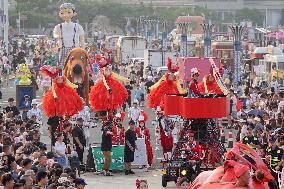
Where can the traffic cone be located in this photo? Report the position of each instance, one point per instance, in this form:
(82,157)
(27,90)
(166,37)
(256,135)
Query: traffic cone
(230,139)
(223,138)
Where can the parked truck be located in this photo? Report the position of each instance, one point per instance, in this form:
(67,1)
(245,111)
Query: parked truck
(111,45)
(130,47)
(156,59)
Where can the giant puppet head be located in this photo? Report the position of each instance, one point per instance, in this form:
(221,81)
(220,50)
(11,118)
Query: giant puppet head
(67,11)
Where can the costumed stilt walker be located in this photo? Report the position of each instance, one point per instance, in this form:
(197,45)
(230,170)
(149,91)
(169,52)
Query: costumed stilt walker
(61,99)
(168,84)
(118,130)
(108,94)
(68,34)
(143,132)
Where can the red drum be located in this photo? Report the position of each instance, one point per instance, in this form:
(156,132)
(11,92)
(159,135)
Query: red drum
(197,107)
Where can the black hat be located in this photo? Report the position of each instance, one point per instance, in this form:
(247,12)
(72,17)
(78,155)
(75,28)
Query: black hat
(131,122)
(80,119)
(79,181)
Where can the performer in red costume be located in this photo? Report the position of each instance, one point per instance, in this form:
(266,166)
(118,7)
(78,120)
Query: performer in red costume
(118,130)
(168,84)
(193,147)
(166,137)
(193,85)
(209,85)
(143,132)
(108,93)
(61,99)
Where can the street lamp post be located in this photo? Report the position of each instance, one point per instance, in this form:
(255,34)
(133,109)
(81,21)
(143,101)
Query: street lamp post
(237,32)
(207,29)
(148,25)
(183,46)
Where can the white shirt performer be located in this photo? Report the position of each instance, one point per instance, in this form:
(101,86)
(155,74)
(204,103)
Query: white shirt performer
(68,34)
(86,116)
(35,113)
(134,112)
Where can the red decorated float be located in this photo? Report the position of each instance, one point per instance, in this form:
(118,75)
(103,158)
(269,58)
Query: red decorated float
(199,142)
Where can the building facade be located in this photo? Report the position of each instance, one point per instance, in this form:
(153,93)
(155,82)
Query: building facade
(270,8)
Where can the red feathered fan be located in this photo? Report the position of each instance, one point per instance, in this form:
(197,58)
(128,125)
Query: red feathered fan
(49,71)
(170,68)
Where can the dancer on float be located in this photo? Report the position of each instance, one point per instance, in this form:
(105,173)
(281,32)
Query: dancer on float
(168,84)
(213,83)
(193,85)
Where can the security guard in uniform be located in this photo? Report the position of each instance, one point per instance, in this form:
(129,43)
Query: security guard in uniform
(273,157)
(251,140)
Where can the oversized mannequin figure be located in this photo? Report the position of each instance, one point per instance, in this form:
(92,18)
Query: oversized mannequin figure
(68,34)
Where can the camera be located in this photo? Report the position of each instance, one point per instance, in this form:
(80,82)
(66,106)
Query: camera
(108,126)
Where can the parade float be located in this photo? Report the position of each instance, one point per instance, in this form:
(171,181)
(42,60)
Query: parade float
(204,150)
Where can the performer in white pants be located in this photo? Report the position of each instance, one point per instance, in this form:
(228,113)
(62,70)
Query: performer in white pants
(85,115)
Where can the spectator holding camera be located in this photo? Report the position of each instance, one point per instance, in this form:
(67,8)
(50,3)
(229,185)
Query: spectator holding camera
(106,146)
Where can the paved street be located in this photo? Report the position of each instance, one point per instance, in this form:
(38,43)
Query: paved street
(119,180)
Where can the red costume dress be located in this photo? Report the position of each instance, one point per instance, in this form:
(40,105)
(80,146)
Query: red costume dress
(108,93)
(61,99)
(168,84)
(193,86)
(191,145)
(207,86)
(166,137)
(118,135)
(145,133)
